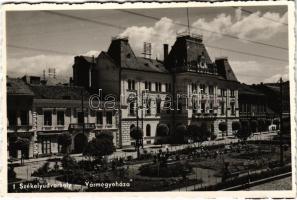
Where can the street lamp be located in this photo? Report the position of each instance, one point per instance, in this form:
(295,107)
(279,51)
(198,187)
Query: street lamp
(281,122)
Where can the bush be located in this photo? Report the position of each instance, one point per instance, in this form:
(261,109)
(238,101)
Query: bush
(65,141)
(169,170)
(236,125)
(223,126)
(69,163)
(261,125)
(180,133)
(100,146)
(213,136)
(86,165)
(11,174)
(254,125)
(162,131)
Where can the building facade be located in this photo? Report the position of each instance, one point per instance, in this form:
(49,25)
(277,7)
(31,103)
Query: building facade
(45,112)
(186,87)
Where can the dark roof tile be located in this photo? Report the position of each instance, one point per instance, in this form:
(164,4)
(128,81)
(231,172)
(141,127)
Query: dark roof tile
(17,86)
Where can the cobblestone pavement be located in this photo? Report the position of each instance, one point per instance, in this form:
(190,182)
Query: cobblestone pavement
(281,184)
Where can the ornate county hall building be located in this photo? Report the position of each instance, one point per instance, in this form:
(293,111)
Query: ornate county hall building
(186,87)
(200,90)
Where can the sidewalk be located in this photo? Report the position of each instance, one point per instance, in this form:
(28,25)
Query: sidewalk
(154,148)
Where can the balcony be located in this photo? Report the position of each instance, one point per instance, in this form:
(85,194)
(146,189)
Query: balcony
(19,128)
(80,126)
(204,115)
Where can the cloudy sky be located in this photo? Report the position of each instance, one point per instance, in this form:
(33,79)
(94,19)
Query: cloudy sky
(255,39)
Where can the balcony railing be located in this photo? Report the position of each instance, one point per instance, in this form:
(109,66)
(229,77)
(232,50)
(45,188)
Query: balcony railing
(19,127)
(204,115)
(80,126)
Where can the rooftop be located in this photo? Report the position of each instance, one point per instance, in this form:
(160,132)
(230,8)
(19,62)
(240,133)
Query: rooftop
(16,86)
(58,92)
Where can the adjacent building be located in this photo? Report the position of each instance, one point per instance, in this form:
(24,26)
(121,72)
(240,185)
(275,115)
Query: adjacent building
(41,113)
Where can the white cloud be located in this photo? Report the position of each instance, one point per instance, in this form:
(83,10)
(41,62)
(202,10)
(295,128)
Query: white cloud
(254,72)
(162,32)
(94,53)
(256,26)
(34,65)
(274,78)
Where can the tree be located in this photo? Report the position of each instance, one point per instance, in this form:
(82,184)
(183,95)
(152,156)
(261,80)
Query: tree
(244,132)
(254,126)
(137,134)
(261,125)
(267,124)
(276,122)
(105,134)
(99,146)
(65,141)
(162,131)
(286,126)
(223,126)
(180,132)
(205,133)
(23,145)
(236,125)
(193,131)
(68,163)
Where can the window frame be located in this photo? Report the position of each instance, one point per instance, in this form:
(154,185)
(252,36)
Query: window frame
(61,111)
(50,116)
(107,117)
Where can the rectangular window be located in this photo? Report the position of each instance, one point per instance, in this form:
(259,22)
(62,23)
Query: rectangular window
(12,119)
(168,87)
(158,87)
(202,88)
(158,107)
(148,107)
(194,88)
(148,86)
(132,109)
(109,117)
(24,118)
(232,109)
(202,107)
(47,118)
(210,90)
(248,108)
(210,107)
(195,106)
(223,92)
(80,117)
(131,84)
(99,118)
(232,93)
(222,104)
(60,118)
(46,146)
(180,108)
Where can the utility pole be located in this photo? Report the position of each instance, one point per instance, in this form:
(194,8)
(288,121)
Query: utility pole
(226,114)
(82,110)
(281,123)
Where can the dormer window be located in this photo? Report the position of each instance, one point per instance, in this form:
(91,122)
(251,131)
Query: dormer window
(128,55)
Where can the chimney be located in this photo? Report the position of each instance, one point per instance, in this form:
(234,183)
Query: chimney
(165,50)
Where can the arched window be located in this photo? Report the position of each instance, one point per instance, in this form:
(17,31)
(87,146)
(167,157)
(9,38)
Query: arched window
(148,130)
